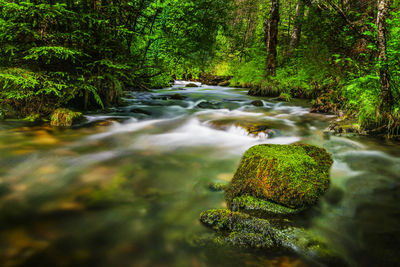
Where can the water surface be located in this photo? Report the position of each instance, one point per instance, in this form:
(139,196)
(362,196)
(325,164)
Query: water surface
(126,187)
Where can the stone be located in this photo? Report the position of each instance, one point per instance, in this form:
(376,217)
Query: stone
(257,103)
(294,176)
(177,97)
(193,85)
(241,230)
(224,83)
(63,117)
(209,105)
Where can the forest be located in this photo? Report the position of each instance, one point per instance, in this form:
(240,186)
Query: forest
(343,55)
(199,133)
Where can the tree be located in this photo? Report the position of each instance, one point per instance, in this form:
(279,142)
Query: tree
(387,96)
(298,23)
(271,37)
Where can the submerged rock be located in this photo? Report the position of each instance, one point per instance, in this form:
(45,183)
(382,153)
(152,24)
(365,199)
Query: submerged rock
(64,117)
(257,103)
(177,97)
(294,176)
(209,105)
(242,230)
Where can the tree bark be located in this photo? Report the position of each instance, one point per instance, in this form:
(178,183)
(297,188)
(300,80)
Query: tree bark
(387,96)
(271,37)
(298,23)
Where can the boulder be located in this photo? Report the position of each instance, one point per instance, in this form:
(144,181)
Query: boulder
(237,229)
(63,117)
(294,176)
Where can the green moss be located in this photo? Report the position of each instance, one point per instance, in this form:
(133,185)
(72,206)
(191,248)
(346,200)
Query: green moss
(236,229)
(32,118)
(285,97)
(64,117)
(294,176)
(216,187)
(260,207)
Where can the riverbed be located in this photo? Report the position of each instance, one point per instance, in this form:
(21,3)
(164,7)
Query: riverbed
(126,187)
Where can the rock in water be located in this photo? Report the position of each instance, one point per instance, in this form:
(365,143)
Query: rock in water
(294,176)
(64,117)
(257,103)
(241,230)
(191,85)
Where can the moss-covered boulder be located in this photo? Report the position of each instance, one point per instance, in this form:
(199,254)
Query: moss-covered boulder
(63,117)
(294,176)
(242,230)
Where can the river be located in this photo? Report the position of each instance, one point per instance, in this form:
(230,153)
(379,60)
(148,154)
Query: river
(126,187)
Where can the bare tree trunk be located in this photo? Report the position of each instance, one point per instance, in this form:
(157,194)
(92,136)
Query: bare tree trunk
(387,97)
(298,23)
(271,37)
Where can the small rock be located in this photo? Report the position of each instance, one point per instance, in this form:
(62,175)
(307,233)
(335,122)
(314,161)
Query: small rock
(63,117)
(177,97)
(193,85)
(209,105)
(224,83)
(257,103)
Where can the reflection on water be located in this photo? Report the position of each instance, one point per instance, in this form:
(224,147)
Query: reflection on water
(126,187)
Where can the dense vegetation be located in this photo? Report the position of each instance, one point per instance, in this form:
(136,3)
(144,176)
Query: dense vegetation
(342,54)
(84,53)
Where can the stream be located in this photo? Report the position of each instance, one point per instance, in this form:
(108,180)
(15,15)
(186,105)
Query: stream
(126,187)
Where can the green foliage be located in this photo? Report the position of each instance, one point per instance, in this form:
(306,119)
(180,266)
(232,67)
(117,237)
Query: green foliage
(84,53)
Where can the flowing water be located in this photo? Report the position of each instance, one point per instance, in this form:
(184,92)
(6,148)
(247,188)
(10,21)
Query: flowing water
(126,187)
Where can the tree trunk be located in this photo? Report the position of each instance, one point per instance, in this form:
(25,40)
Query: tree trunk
(271,37)
(387,97)
(298,23)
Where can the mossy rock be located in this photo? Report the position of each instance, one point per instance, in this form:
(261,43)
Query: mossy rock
(224,83)
(209,105)
(63,117)
(261,207)
(191,85)
(237,229)
(294,176)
